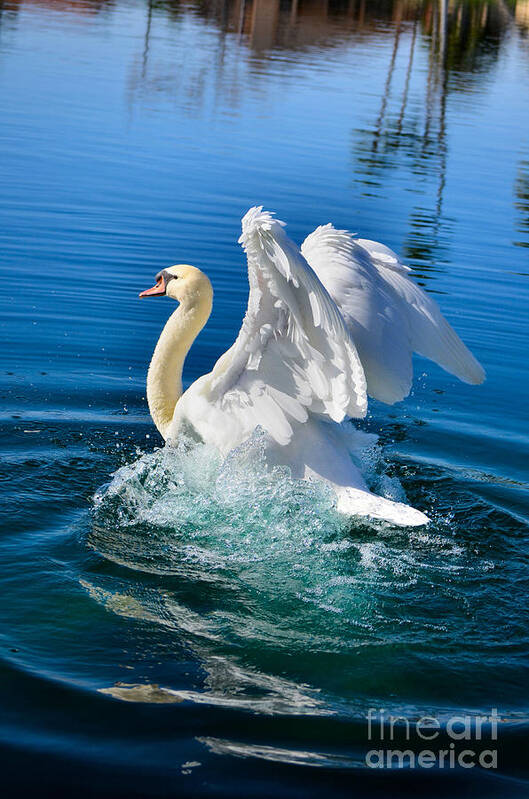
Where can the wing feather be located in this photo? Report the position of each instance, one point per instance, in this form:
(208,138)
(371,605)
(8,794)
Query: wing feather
(388,315)
(294,355)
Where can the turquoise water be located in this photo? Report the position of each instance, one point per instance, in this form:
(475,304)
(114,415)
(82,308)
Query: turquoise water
(172,625)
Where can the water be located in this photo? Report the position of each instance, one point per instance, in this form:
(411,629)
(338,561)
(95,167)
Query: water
(193,627)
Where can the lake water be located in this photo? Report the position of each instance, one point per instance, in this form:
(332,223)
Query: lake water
(197,628)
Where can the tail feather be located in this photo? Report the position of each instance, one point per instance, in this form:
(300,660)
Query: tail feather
(354,502)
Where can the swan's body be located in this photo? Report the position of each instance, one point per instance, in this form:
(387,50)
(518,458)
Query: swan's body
(325,327)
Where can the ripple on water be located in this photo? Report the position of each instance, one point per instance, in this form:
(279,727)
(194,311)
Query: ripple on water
(247,560)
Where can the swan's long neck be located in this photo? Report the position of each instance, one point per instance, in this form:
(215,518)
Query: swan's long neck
(164,380)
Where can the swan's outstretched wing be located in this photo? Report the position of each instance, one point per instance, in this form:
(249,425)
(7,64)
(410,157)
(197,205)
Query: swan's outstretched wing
(389,317)
(294,355)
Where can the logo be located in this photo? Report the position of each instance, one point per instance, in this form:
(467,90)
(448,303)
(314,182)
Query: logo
(462,741)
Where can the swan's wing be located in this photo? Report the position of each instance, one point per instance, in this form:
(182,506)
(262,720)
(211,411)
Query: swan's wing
(388,315)
(293,355)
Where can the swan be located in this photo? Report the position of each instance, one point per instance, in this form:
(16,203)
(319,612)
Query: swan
(327,325)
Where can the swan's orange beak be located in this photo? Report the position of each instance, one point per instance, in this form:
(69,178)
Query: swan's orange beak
(157,291)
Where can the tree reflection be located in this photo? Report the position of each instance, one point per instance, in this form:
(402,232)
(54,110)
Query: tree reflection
(522,202)
(246,38)
(463,40)
(80,8)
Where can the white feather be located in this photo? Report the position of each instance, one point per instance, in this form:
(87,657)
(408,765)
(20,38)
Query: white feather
(388,315)
(293,341)
(323,327)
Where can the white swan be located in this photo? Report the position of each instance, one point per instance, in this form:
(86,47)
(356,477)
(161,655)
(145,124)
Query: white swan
(325,327)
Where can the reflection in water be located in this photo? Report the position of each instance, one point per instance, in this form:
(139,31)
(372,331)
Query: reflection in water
(464,37)
(80,8)
(463,42)
(522,13)
(245,568)
(409,132)
(522,202)
(297,24)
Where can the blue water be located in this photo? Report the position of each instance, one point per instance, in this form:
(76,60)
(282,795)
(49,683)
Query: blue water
(188,627)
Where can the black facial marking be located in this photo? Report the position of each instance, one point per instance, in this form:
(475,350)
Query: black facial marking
(166,275)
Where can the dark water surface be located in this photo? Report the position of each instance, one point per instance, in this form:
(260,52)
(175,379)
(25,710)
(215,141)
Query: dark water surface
(202,628)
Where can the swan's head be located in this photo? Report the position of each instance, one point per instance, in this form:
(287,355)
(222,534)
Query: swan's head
(182,282)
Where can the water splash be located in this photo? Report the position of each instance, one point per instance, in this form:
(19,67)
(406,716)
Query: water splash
(183,511)
(238,558)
